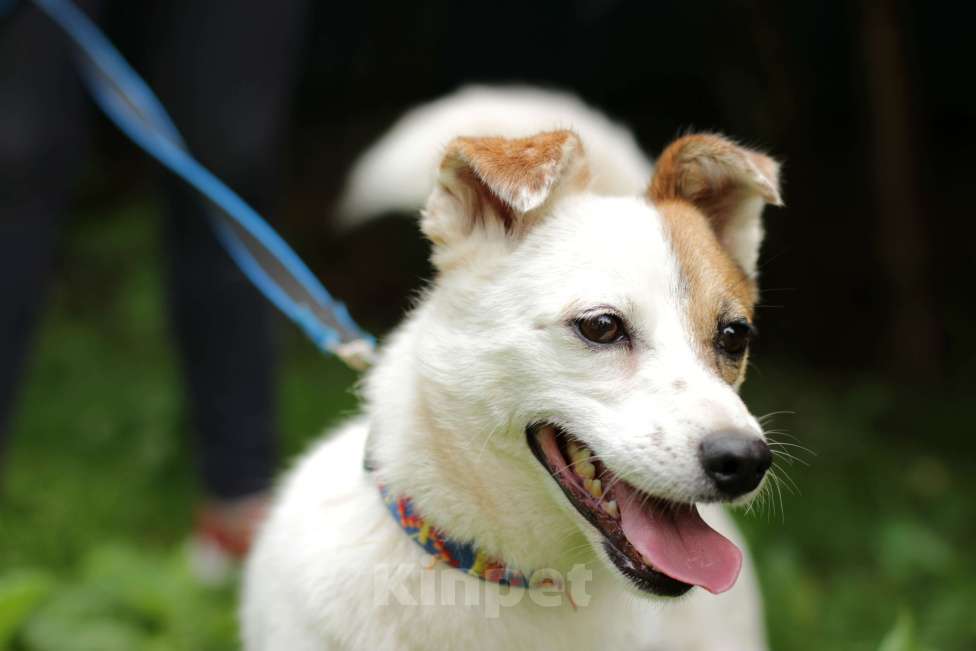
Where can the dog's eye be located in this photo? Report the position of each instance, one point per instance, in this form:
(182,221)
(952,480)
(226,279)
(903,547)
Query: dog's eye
(733,338)
(602,328)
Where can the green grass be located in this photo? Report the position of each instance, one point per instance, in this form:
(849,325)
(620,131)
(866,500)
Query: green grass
(877,545)
(873,554)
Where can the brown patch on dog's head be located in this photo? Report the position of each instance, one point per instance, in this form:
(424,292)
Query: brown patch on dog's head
(710,193)
(715,289)
(501,182)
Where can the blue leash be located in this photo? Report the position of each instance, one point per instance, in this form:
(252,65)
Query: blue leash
(265,258)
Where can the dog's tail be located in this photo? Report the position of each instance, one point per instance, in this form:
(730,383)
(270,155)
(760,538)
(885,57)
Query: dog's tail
(398,171)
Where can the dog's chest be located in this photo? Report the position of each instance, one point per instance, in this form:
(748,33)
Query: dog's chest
(441,603)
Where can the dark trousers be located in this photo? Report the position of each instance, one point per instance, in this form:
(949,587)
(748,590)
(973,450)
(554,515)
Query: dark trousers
(225,71)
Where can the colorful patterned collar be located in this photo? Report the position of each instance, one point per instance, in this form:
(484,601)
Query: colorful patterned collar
(463,556)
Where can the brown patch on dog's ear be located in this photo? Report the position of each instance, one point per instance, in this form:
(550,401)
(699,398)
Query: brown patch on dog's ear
(501,183)
(727,183)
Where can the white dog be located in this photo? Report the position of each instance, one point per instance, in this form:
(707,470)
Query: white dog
(545,421)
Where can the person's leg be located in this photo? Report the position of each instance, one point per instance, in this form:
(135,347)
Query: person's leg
(41,137)
(226,72)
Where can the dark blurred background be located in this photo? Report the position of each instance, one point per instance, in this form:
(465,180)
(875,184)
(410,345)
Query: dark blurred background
(867,313)
(867,103)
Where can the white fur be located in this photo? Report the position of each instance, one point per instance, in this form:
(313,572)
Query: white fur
(486,353)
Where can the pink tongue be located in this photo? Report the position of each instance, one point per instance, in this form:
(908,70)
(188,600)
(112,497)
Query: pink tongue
(678,542)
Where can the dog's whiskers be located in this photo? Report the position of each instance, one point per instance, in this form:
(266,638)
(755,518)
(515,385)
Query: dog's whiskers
(788,452)
(784,444)
(780,432)
(788,482)
(766,417)
(786,456)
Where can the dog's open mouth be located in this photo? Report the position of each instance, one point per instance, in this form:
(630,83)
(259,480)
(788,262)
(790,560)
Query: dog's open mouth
(662,547)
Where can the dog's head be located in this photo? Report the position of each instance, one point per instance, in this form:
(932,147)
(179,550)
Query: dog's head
(604,339)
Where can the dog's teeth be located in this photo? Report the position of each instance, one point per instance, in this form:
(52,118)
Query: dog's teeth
(595,488)
(577,452)
(611,509)
(588,484)
(573,449)
(585,469)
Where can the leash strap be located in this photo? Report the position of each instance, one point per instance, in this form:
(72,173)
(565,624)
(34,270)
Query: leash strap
(262,255)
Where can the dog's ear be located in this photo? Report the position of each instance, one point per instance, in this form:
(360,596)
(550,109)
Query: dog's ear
(501,185)
(728,183)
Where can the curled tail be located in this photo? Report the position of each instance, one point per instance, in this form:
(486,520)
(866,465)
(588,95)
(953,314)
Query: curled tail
(398,171)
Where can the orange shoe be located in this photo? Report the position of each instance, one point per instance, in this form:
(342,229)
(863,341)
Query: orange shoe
(222,536)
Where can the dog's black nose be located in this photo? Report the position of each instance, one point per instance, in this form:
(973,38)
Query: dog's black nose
(736,461)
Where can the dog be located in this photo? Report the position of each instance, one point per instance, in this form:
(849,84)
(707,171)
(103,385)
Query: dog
(548,436)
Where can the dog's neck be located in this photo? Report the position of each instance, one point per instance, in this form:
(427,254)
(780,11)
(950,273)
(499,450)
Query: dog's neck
(466,471)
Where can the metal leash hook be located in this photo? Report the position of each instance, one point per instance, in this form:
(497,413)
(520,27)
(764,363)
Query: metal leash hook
(262,255)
